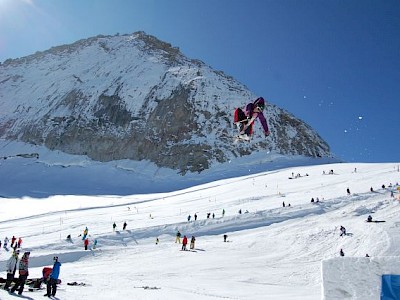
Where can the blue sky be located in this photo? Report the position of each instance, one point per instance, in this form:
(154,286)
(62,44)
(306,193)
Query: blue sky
(333,64)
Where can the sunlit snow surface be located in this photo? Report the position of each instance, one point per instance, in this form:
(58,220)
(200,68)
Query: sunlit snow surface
(273,252)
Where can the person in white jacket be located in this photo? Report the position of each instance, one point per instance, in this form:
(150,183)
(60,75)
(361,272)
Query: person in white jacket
(11,269)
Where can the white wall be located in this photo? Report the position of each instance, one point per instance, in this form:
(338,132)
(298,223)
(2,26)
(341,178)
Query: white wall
(356,277)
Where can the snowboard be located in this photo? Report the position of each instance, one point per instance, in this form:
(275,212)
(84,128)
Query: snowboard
(241,138)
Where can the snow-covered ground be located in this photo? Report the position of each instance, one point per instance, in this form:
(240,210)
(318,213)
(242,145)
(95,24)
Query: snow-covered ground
(272,252)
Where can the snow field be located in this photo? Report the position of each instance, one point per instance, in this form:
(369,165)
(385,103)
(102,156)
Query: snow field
(273,252)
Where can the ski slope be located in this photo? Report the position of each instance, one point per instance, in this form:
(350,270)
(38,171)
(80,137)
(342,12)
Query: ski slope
(273,252)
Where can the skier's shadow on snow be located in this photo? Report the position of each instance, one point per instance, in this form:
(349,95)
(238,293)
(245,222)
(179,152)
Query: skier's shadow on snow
(23,297)
(197,249)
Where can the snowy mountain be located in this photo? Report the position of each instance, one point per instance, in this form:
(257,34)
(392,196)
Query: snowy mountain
(272,252)
(138,98)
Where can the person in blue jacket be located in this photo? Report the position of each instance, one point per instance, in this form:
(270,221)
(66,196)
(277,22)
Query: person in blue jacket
(53,278)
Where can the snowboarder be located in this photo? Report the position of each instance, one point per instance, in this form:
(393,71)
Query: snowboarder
(53,278)
(11,269)
(114,226)
(342,231)
(124,226)
(244,119)
(178,237)
(184,243)
(341,252)
(23,273)
(192,242)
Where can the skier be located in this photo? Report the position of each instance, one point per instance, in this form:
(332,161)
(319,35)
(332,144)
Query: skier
(223,212)
(342,231)
(69,239)
(184,243)
(124,226)
(195,216)
(23,273)
(19,243)
(244,119)
(53,278)
(348,192)
(225,237)
(5,242)
(341,252)
(85,233)
(192,242)
(114,226)
(13,239)
(178,237)
(11,269)
(86,243)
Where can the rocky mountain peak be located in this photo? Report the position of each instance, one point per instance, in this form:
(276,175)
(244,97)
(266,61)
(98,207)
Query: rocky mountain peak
(136,97)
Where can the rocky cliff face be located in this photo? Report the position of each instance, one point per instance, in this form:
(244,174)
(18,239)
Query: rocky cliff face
(136,97)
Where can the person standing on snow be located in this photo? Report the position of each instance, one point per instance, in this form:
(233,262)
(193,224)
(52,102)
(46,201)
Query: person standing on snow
(13,239)
(124,226)
(11,269)
(86,243)
(53,278)
(245,118)
(178,237)
(23,273)
(341,252)
(114,226)
(192,241)
(184,243)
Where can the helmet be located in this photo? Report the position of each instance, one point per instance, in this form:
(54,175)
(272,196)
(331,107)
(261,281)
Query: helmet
(260,103)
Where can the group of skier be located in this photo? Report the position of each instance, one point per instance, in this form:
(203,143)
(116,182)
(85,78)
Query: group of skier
(184,241)
(15,243)
(51,278)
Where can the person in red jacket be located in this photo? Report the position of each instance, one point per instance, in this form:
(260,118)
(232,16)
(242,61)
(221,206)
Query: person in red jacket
(184,243)
(86,243)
